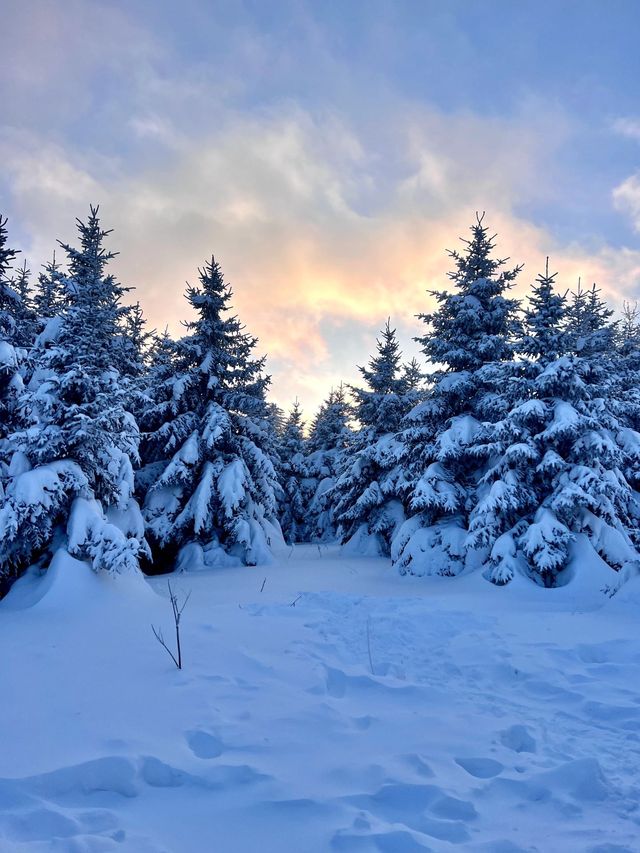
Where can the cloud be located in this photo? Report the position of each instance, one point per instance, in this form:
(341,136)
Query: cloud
(326,217)
(629,127)
(289,203)
(627,199)
(626,196)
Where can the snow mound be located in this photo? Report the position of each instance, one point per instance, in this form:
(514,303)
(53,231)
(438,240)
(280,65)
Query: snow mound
(70,584)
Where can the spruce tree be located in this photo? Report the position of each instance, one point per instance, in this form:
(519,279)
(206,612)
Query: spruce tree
(329,438)
(49,296)
(587,450)
(366,494)
(24,316)
(10,356)
(216,489)
(559,457)
(294,476)
(8,297)
(507,495)
(73,458)
(473,326)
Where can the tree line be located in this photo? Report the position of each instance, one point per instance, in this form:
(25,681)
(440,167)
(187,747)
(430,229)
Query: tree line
(516,439)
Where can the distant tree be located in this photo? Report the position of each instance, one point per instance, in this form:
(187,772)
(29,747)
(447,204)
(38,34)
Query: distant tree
(24,316)
(294,475)
(366,496)
(8,296)
(50,296)
(329,438)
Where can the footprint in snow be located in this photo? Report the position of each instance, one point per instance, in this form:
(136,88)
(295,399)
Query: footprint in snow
(518,739)
(204,744)
(481,768)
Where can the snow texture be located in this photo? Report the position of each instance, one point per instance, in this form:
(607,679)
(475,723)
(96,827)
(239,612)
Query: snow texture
(384,715)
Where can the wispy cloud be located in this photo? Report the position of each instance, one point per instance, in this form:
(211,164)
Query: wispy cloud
(628,126)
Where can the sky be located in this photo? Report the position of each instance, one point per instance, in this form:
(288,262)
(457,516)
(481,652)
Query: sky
(327,153)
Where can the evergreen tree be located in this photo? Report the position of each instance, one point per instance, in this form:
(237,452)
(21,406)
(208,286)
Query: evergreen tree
(330,431)
(49,296)
(294,476)
(10,376)
(163,427)
(329,438)
(626,373)
(507,495)
(24,317)
(589,322)
(413,377)
(135,343)
(558,457)
(366,494)
(546,336)
(8,297)
(474,326)
(217,489)
(72,463)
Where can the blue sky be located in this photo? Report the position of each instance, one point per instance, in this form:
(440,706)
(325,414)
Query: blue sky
(327,152)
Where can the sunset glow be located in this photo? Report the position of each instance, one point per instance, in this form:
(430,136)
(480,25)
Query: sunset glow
(327,181)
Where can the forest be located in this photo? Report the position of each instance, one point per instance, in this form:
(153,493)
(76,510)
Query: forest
(514,437)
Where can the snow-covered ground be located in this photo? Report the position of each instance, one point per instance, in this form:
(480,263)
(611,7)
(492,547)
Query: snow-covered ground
(334,706)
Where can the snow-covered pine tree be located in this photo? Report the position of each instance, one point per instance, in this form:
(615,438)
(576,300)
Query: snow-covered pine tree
(14,336)
(135,343)
(590,492)
(473,326)
(26,321)
(132,354)
(24,326)
(508,493)
(164,426)
(71,472)
(413,377)
(294,475)
(8,296)
(559,456)
(627,371)
(49,295)
(163,429)
(329,437)
(366,496)
(214,499)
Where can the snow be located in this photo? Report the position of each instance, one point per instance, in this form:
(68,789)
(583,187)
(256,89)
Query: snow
(326,704)
(8,359)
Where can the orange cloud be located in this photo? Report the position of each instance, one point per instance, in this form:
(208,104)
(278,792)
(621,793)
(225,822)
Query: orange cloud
(310,227)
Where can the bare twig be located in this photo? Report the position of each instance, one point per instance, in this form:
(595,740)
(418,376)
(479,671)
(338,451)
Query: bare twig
(369,644)
(293,603)
(157,633)
(177,609)
(290,552)
(263,583)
